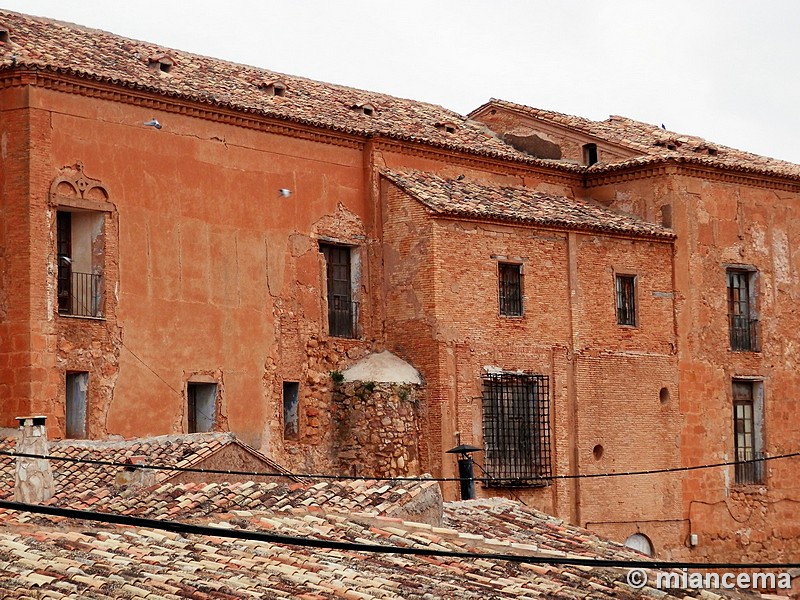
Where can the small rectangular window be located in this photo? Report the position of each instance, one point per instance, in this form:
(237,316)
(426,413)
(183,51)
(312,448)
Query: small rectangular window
(747,421)
(516,429)
(741,315)
(291,401)
(202,405)
(510,289)
(75,405)
(589,154)
(626,299)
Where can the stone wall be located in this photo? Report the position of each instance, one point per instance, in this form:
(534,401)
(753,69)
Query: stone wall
(376,428)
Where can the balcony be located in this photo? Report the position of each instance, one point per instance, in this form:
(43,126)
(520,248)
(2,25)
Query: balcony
(80,294)
(751,471)
(743,333)
(342,316)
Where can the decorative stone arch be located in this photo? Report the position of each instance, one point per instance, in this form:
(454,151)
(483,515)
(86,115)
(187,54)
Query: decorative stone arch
(72,183)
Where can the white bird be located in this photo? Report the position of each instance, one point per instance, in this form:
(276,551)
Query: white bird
(153,123)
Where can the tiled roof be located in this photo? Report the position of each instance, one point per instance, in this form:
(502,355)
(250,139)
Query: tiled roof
(648,143)
(196,500)
(75,478)
(60,47)
(53,557)
(478,200)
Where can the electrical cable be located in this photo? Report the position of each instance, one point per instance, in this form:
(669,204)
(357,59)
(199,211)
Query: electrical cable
(274,538)
(360,478)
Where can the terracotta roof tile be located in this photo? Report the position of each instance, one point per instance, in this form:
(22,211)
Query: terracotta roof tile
(479,200)
(96,481)
(92,54)
(650,143)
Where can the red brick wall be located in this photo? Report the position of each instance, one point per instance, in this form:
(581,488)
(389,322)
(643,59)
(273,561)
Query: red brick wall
(718,224)
(605,379)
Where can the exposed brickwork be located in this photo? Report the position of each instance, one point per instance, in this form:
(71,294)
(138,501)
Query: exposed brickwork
(213,274)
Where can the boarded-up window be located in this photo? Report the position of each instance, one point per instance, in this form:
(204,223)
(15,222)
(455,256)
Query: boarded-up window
(342,310)
(77,385)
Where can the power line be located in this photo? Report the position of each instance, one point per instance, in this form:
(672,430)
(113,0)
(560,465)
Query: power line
(366,478)
(274,538)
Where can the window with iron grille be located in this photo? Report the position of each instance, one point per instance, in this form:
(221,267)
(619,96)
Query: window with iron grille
(626,299)
(79,249)
(510,284)
(747,416)
(741,318)
(342,310)
(516,429)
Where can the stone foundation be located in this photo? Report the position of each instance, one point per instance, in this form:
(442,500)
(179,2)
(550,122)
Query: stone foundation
(376,428)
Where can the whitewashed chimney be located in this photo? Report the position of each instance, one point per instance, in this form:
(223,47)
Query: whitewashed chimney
(33,483)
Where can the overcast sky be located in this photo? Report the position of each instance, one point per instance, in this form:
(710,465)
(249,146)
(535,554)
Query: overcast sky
(725,70)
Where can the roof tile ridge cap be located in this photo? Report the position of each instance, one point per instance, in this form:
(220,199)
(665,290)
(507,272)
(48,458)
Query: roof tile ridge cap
(268,459)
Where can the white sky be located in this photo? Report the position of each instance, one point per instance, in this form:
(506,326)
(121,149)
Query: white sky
(725,70)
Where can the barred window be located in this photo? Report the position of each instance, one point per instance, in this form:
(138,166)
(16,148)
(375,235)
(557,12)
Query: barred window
(510,282)
(741,319)
(747,409)
(626,300)
(516,429)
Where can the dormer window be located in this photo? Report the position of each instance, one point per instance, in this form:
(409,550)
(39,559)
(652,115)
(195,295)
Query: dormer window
(4,37)
(447,127)
(161,63)
(367,109)
(590,155)
(273,88)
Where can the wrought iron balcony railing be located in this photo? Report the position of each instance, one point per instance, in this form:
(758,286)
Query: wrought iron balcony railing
(743,331)
(80,295)
(342,316)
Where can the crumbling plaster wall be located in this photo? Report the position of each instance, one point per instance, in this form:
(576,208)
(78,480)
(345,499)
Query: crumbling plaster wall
(720,224)
(605,380)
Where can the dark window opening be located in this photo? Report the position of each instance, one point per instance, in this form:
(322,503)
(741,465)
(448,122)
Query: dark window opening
(742,323)
(342,310)
(510,288)
(516,429)
(75,405)
(590,156)
(202,404)
(747,439)
(291,402)
(79,250)
(273,89)
(4,37)
(161,64)
(626,299)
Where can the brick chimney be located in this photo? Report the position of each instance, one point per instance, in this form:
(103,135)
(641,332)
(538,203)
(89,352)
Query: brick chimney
(33,483)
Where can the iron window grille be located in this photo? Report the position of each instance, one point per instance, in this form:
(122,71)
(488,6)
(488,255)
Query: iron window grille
(516,429)
(626,299)
(510,289)
(741,320)
(79,294)
(342,309)
(749,458)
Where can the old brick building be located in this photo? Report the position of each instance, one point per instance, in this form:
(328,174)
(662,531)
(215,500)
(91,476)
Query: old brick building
(190,245)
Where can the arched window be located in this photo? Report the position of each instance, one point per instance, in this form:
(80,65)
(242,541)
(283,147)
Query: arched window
(640,542)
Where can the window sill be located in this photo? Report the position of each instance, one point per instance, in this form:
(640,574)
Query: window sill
(512,317)
(81,317)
